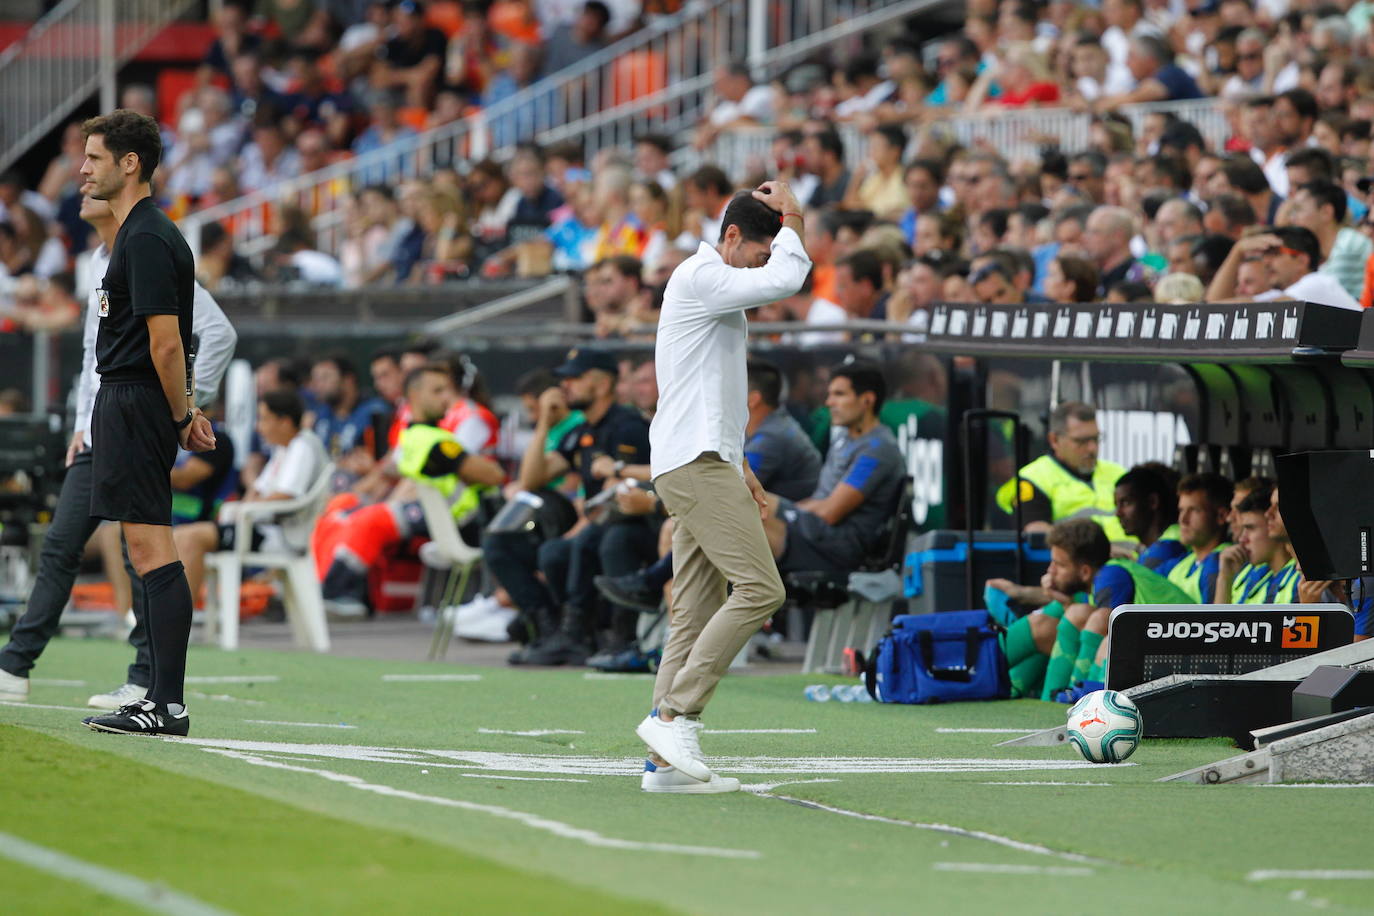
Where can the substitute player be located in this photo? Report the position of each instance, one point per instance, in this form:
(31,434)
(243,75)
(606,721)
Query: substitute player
(701,476)
(144,407)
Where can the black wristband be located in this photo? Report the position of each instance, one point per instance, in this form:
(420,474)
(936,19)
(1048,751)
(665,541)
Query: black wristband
(186,420)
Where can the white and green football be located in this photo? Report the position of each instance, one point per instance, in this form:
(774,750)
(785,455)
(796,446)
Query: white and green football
(1105,726)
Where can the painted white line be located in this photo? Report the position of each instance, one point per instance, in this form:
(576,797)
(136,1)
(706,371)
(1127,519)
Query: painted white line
(1315,785)
(759,731)
(608,676)
(985,731)
(421,678)
(223,698)
(298,724)
(1057,871)
(156,897)
(236,679)
(1040,783)
(941,828)
(1317,874)
(761,788)
(535,821)
(532,733)
(54,682)
(41,706)
(522,778)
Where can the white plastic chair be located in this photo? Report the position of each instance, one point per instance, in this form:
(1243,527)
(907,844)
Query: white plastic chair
(446,550)
(302,597)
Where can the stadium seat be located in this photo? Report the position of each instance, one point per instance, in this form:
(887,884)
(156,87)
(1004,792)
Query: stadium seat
(304,603)
(446,550)
(853,609)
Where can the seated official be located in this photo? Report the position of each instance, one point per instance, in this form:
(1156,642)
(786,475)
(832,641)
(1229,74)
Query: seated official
(1147,509)
(1204,502)
(1069,482)
(1064,642)
(350,539)
(296,462)
(1248,567)
(861,481)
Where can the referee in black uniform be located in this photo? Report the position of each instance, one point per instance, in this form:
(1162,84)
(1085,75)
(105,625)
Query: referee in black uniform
(145,405)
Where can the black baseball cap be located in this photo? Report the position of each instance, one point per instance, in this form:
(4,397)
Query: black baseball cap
(584,360)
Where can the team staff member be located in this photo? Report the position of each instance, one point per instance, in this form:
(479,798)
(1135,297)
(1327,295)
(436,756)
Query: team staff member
(1071,481)
(144,408)
(701,475)
(72,524)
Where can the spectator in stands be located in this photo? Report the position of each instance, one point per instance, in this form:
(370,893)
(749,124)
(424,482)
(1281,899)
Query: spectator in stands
(1071,279)
(1176,218)
(1063,641)
(1179,289)
(881,189)
(1293,255)
(313,100)
(651,160)
(994,282)
(619,232)
(614,288)
(560,608)
(521,72)
(346,422)
(298,458)
(409,63)
(386,130)
(232,38)
(1071,480)
(1294,115)
(859,286)
(923,179)
(219,265)
(1248,80)
(824,154)
(570,43)
(1107,242)
(208,138)
(298,261)
(1157,77)
(267,159)
(861,481)
(1321,207)
(251,96)
(707,192)
(1204,502)
(1229,215)
(1087,175)
(738,103)
(1147,508)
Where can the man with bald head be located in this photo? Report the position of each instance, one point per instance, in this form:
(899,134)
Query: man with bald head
(1107,241)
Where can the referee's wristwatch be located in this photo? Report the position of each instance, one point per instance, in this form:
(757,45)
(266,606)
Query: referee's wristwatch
(186,420)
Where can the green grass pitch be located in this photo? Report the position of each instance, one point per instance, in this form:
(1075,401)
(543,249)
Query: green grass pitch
(321,784)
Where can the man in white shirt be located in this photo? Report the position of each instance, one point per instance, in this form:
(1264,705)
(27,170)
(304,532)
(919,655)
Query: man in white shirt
(72,524)
(1293,255)
(701,477)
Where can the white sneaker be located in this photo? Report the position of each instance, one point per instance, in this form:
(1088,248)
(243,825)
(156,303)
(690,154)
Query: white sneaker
(489,622)
(670,779)
(676,742)
(120,696)
(13,688)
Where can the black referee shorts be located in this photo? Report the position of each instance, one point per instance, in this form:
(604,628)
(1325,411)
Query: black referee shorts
(133,448)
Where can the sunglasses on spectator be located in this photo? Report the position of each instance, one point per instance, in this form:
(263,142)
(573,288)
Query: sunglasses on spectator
(1080,176)
(1255,55)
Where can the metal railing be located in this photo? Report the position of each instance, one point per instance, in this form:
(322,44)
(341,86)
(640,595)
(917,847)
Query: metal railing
(658,78)
(68,54)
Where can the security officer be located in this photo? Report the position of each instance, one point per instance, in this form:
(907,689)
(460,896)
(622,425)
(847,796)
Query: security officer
(1071,481)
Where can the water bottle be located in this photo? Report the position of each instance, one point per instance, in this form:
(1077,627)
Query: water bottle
(862,695)
(817,693)
(844,693)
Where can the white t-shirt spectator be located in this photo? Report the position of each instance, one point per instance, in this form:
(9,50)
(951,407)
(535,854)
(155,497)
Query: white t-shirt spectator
(866,102)
(757,104)
(317,268)
(292,469)
(1323,289)
(823,312)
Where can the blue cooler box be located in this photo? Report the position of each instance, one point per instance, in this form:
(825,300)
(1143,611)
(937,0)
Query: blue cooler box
(933,573)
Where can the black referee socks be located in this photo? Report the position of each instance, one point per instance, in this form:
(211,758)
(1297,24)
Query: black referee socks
(167,610)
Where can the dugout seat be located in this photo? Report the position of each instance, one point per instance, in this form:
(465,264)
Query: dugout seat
(446,551)
(853,608)
(301,594)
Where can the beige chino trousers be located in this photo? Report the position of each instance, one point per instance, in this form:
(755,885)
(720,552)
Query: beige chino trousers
(717,538)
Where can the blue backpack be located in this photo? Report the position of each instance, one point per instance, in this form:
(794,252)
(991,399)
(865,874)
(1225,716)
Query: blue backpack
(939,658)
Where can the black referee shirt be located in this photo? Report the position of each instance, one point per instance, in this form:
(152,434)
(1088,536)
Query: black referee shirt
(151,272)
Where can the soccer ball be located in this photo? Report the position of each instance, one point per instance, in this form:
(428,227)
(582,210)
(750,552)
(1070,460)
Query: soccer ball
(1105,726)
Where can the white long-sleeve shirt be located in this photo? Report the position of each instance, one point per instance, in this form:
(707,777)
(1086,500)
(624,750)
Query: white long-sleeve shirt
(699,355)
(216,336)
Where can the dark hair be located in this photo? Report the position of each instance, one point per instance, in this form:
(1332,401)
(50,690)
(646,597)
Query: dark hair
(757,221)
(211,234)
(1174,169)
(1083,274)
(865,377)
(1324,193)
(125,132)
(863,265)
(414,375)
(766,379)
(1217,488)
(1032,212)
(391,353)
(861,65)
(1213,249)
(1181,135)
(1304,102)
(599,9)
(422,345)
(531,149)
(535,382)
(894,135)
(1320,165)
(1236,210)
(627,265)
(995,220)
(829,141)
(661,142)
(1244,174)
(1133,291)
(931,167)
(341,362)
(711,178)
(1143,482)
(283,402)
(1302,240)
(1095,160)
(1256,501)
(1083,540)
(1355,130)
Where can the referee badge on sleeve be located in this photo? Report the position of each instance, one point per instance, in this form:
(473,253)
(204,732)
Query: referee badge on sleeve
(103,297)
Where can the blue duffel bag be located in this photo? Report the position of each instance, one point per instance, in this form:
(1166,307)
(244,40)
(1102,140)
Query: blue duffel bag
(939,658)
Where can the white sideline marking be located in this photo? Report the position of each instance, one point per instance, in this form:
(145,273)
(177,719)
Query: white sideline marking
(1040,783)
(609,676)
(759,731)
(522,778)
(1316,785)
(419,678)
(54,682)
(557,828)
(941,828)
(41,706)
(236,679)
(553,764)
(1315,874)
(156,897)
(762,788)
(223,698)
(298,724)
(532,733)
(985,731)
(1058,871)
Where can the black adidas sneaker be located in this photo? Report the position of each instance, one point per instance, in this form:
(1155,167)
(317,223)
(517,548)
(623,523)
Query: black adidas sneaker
(141,718)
